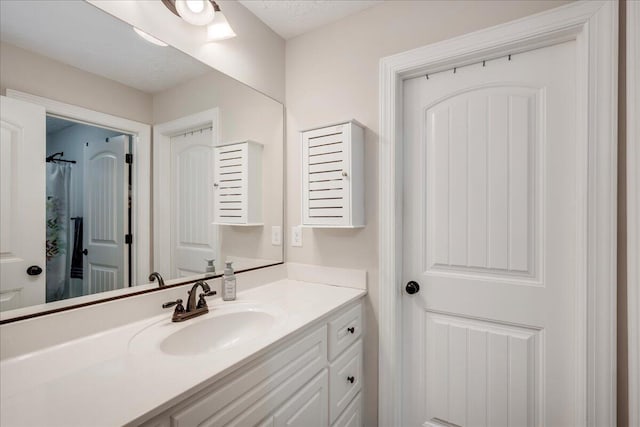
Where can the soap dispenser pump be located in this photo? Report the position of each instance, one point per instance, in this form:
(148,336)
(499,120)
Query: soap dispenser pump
(228,283)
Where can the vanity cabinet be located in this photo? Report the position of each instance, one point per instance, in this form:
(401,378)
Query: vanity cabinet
(296,384)
(238,184)
(333,176)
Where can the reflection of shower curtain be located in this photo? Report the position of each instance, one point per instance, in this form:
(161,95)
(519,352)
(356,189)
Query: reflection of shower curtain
(58,261)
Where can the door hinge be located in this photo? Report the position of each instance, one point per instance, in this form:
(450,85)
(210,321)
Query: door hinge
(128,158)
(128,239)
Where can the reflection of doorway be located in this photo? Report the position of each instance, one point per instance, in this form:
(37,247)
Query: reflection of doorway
(88,209)
(183,195)
(23,209)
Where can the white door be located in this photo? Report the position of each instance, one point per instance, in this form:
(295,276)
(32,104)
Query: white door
(193,235)
(105,214)
(490,205)
(22,203)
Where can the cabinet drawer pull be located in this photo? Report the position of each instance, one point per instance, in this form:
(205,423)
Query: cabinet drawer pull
(351,330)
(351,379)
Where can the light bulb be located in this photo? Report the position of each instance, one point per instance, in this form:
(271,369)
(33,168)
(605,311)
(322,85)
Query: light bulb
(196,6)
(196,12)
(219,29)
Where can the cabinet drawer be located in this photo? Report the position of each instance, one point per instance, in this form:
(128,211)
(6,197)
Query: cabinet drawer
(345,379)
(307,407)
(352,416)
(344,330)
(250,396)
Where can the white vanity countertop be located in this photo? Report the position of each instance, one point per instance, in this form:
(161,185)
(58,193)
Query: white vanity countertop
(96,380)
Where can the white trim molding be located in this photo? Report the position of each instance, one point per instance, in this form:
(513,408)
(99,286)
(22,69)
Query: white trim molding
(594,27)
(141,197)
(633,207)
(162,134)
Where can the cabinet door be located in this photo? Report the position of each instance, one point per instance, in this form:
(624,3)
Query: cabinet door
(345,379)
(352,416)
(325,176)
(307,407)
(230,203)
(247,397)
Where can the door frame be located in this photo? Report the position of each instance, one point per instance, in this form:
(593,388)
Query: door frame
(141,196)
(594,27)
(162,134)
(633,208)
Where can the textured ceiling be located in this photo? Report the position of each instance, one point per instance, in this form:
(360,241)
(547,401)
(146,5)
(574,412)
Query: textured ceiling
(292,18)
(79,34)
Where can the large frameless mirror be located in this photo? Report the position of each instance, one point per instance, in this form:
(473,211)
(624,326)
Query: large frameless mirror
(121,157)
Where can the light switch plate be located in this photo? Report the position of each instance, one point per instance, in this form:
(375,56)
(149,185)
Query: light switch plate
(276,235)
(296,236)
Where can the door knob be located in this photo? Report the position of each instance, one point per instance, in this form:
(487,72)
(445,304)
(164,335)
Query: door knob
(85,252)
(34,270)
(412,288)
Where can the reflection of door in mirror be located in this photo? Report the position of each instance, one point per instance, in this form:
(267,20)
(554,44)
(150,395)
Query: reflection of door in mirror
(87,209)
(106,213)
(22,208)
(193,237)
(183,195)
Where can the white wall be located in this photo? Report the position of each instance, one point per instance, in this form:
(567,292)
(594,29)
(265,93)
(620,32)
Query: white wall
(332,75)
(38,75)
(255,57)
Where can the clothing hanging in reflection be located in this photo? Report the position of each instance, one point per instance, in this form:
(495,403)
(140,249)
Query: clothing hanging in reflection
(57,244)
(76,255)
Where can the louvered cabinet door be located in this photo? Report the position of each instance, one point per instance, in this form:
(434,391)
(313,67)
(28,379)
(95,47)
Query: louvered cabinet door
(238,184)
(332,176)
(230,201)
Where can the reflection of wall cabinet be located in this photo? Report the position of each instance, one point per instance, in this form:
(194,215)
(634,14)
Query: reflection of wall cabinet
(333,176)
(314,380)
(238,184)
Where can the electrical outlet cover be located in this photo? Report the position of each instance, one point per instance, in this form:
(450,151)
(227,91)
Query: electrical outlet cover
(296,236)
(276,235)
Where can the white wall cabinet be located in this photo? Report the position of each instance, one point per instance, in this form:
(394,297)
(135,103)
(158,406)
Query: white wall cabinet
(296,385)
(333,176)
(238,184)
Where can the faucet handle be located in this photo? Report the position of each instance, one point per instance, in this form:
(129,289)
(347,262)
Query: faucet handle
(178,303)
(201,301)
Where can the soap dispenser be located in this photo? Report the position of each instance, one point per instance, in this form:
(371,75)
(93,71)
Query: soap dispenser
(228,283)
(210,270)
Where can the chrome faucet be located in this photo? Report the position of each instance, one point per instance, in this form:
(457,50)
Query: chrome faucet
(193,309)
(155,275)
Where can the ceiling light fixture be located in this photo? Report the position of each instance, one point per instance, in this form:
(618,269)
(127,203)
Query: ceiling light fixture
(200,12)
(203,12)
(149,37)
(219,29)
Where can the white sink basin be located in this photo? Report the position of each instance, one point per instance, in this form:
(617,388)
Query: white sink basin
(225,326)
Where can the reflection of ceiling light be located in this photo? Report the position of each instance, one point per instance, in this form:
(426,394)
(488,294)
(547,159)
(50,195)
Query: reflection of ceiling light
(150,38)
(219,29)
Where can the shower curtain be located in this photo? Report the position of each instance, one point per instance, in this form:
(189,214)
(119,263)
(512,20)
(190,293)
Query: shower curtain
(58,253)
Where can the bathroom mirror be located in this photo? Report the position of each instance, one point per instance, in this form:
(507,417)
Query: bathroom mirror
(141,159)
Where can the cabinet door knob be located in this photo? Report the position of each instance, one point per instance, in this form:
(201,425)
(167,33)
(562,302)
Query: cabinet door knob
(345,174)
(351,379)
(351,330)
(215,184)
